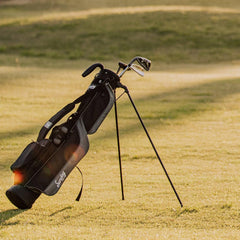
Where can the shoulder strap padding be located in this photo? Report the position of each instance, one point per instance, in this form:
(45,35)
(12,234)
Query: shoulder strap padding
(57,117)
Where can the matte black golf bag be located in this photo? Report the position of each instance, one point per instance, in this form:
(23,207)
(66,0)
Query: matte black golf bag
(43,165)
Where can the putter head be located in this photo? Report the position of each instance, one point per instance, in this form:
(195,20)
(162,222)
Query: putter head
(144,62)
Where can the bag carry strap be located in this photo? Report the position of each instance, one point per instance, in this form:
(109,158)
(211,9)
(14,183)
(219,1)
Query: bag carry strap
(80,192)
(57,117)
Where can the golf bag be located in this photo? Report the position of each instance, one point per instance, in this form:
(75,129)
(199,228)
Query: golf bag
(44,165)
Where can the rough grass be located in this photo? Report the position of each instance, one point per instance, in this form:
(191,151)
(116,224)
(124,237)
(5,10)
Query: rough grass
(192,115)
(191,112)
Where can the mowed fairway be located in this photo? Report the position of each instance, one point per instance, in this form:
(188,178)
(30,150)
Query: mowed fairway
(191,111)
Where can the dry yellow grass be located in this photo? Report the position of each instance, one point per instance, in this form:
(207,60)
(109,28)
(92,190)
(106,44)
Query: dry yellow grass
(73,15)
(192,114)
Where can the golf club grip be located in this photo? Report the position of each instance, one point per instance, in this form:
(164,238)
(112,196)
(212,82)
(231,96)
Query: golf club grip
(122,65)
(91,68)
(53,120)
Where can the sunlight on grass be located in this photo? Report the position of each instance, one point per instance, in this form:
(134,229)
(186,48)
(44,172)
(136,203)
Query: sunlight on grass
(192,116)
(190,110)
(73,15)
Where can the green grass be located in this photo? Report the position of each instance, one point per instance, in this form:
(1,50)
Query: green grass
(190,108)
(167,37)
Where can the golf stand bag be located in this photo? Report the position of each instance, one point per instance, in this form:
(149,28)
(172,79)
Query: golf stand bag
(44,165)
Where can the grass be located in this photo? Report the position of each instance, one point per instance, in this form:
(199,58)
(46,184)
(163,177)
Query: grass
(191,111)
(195,126)
(168,37)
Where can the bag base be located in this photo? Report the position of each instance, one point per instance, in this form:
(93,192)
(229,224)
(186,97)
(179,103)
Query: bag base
(21,197)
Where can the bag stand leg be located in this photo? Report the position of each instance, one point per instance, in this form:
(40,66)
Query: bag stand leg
(149,138)
(118,144)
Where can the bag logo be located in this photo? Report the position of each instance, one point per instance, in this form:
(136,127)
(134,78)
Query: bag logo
(48,125)
(62,177)
(92,86)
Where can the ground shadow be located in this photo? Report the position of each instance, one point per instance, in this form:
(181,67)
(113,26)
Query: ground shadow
(181,103)
(19,133)
(59,211)
(192,38)
(8,214)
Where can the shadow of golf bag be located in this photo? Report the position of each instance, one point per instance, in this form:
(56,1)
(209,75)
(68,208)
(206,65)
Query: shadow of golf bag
(44,165)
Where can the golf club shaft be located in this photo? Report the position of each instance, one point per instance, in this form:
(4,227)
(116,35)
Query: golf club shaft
(155,150)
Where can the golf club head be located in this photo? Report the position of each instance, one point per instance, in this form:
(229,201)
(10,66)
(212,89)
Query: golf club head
(138,69)
(144,62)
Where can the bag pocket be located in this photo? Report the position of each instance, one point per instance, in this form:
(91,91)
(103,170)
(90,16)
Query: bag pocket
(31,160)
(27,156)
